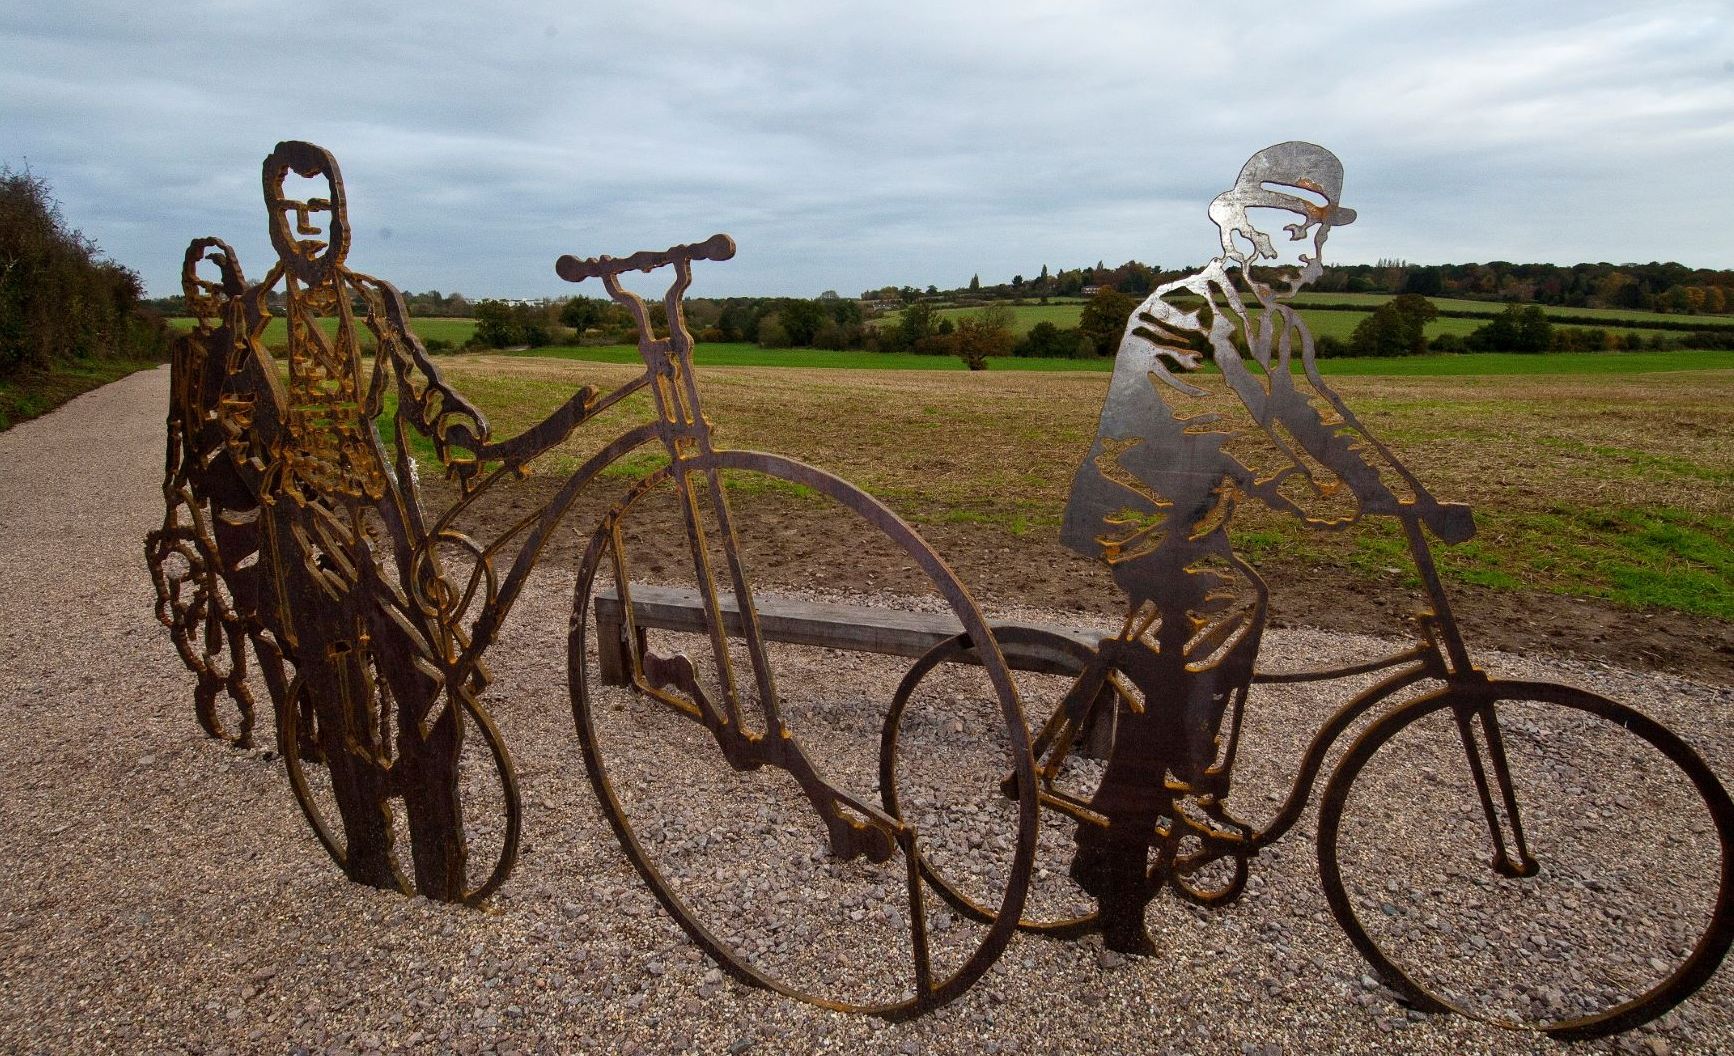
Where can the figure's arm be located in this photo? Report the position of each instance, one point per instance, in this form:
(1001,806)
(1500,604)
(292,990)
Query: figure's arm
(1339,445)
(425,400)
(460,432)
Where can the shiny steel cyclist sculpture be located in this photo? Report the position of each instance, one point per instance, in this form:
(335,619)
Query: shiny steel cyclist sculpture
(1155,499)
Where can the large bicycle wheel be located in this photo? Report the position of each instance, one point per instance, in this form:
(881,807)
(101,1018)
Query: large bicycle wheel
(942,768)
(732,821)
(488,790)
(1600,894)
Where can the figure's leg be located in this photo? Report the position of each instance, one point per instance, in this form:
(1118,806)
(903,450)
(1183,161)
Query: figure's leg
(428,776)
(1113,861)
(1112,865)
(359,783)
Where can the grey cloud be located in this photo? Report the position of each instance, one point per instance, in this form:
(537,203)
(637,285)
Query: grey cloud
(901,142)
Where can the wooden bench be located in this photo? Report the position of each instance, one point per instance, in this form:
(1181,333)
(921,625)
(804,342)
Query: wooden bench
(856,628)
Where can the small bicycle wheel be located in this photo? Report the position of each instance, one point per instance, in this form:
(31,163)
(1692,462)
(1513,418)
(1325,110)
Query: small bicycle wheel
(730,813)
(194,603)
(488,788)
(1600,896)
(942,769)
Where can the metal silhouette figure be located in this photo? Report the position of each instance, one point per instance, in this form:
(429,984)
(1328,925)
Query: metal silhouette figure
(293,533)
(1163,700)
(1157,493)
(370,617)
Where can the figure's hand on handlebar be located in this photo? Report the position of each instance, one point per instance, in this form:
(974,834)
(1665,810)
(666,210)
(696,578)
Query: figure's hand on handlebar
(573,269)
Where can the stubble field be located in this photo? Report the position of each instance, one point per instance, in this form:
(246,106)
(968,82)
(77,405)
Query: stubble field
(1605,503)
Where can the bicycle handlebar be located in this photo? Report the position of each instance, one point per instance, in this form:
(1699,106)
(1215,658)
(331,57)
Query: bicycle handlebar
(573,269)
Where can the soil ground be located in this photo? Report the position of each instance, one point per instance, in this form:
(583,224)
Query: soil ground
(1603,501)
(793,543)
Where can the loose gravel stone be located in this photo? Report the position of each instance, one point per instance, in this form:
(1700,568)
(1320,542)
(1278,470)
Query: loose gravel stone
(164,892)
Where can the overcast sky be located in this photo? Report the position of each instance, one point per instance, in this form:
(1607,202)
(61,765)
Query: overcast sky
(851,146)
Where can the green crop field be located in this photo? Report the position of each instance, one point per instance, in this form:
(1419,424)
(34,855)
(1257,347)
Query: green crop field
(430,328)
(1612,316)
(1322,323)
(1467,365)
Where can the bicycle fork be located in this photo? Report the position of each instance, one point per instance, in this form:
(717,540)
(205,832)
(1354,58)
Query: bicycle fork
(855,828)
(1504,822)
(1511,857)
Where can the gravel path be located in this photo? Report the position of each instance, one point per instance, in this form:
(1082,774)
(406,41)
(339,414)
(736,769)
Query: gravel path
(165,895)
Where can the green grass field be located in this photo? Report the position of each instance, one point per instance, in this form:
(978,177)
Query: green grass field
(431,328)
(1594,475)
(1322,323)
(1506,363)
(1614,316)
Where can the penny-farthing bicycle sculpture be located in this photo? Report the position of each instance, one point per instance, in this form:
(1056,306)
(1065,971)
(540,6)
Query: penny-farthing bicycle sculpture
(738,715)
(1574,859)
(1537,814)
(295,534)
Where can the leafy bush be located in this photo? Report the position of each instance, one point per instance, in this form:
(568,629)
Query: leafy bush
(986,333)
(1717,339)
(1047,341)
(1395,328)
(771,332)
(60,299)
(1520,328)
(1104,319)
(502,325)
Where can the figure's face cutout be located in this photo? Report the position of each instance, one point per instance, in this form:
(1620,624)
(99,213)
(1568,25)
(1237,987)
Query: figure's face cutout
(1282,247)
(1294,247)
(210,276)
(1275,219)
(304,196)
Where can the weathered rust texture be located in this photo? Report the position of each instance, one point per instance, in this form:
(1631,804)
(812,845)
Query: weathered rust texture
(293,536)
(369,616)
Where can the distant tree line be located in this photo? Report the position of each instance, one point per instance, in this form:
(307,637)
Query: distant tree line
(827,321)
(1656,286)
(1397,328)
(61,300)
(1110,294)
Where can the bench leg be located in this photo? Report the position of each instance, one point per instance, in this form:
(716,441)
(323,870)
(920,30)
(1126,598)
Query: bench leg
(611,654)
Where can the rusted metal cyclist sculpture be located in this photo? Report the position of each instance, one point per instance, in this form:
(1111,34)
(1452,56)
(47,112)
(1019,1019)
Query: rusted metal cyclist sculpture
(295,534)
(295,539)
(291,533)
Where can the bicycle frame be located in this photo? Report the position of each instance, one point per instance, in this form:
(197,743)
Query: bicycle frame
(695,469)
(1439,654)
